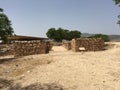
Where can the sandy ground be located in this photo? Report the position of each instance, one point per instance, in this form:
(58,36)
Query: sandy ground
(75,71)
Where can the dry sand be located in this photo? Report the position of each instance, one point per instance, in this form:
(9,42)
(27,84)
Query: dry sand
(75,71)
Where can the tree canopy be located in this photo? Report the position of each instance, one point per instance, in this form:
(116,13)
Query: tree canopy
(103,36)
(5,27)
(118,2)
(62,34)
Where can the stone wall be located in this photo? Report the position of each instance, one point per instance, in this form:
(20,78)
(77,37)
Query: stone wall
(90,44)
(66,44)
(6,49)
(24,48)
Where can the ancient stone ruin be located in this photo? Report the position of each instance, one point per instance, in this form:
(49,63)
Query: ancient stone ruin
(88,44)
(66,44)
(24,48)
(25,45)
(6,49)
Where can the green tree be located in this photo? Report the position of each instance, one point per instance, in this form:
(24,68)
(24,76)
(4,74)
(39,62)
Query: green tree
(62,34)
(118,20)
(54,34)
(67,35)
(5,27)
(51,33)
(118,2)
(75,34)
(103,36)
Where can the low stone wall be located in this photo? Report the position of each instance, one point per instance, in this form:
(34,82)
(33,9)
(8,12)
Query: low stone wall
(24,48)
(66,44)
(90,44)
(6,49)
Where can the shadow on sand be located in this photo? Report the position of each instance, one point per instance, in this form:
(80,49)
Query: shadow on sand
(4,60)
(10,85)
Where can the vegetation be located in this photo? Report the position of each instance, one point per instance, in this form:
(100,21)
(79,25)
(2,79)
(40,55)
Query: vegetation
(62,34)
(5,27)
(118,2)
(103,36)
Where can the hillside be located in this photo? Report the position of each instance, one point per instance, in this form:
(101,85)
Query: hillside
(112,37)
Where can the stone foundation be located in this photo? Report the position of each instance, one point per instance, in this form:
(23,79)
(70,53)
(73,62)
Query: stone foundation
(24,48)
(90,44)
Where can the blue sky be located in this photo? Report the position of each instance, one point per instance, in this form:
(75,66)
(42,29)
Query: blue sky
(35,17)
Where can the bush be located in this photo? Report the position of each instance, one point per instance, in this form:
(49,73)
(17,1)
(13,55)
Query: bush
(103,36)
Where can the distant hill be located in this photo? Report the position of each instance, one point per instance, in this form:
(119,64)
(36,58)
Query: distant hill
(112,37)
